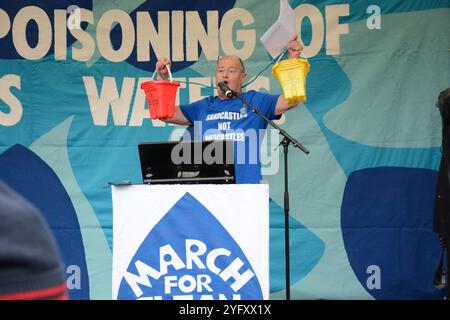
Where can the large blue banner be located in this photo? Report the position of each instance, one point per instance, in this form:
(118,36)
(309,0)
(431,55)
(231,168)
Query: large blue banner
(72,113)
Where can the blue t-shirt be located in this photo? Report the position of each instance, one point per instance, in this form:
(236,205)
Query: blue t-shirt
(215,119)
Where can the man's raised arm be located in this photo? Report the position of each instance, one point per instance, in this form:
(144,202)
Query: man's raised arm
(163,74)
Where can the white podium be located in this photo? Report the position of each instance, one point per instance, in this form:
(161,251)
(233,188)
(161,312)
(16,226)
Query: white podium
(191,242)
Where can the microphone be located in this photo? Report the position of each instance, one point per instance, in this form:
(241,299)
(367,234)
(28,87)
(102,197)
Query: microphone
(225,89)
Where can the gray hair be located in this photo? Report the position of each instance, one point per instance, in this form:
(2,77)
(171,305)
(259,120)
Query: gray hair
(232,57)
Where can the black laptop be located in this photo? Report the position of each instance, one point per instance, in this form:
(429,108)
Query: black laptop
(187,162)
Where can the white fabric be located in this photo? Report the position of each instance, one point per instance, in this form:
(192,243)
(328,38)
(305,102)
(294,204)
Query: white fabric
(278,36)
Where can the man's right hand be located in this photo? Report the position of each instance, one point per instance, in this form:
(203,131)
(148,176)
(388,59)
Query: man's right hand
(161,65)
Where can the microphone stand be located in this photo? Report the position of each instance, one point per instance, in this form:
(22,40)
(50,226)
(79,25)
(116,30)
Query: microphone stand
(287,140)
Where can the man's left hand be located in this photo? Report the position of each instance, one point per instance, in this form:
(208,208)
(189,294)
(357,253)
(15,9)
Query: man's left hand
(295,48)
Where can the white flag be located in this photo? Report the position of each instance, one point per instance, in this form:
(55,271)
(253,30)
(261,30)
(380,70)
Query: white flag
(277,38)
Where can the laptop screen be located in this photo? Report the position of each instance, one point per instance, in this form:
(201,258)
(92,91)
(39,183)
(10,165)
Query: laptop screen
(187,162)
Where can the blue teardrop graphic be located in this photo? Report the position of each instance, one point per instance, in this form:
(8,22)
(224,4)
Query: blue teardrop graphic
(31,177)
(387,218)
(189,255)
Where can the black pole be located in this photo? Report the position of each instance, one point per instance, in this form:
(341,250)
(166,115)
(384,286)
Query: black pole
(285,144)
(287,139)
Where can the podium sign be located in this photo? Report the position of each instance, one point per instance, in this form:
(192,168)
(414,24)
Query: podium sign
(191,242)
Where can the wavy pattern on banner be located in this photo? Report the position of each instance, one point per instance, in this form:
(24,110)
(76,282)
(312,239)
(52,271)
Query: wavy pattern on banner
(317,185)
(51,147)
(345,151)
(306,249)
(34,179)
(407,67)
(321,100)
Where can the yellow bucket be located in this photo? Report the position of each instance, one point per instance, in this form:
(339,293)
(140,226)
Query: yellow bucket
(291,74)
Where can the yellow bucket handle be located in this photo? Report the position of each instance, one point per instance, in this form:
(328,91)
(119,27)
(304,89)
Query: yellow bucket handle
(168,69)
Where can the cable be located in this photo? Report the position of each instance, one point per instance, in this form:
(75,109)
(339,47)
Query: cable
(259,73)
(199,84)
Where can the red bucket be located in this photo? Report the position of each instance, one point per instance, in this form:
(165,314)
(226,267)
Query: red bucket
(161,96)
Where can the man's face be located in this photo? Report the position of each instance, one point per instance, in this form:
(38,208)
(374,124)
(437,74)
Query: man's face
(230,70)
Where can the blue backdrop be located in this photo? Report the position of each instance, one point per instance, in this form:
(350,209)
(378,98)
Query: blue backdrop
(72,114)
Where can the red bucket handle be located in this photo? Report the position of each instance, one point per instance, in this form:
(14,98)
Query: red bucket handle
(168,69)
